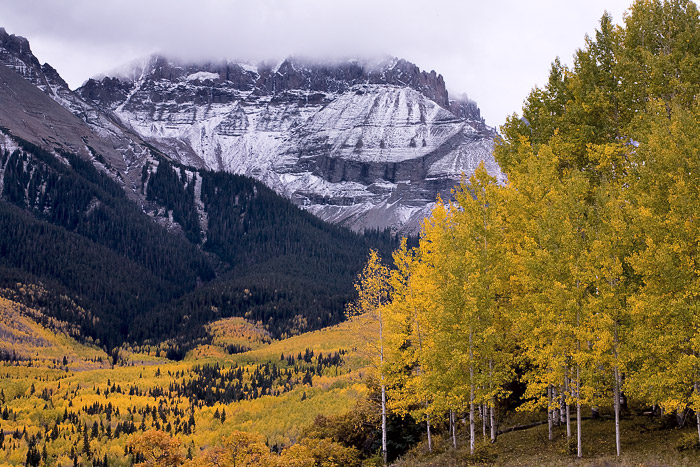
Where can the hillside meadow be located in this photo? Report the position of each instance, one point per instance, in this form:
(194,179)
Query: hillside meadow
(76,404)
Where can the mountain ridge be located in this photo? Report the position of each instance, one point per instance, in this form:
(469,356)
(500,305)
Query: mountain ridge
(94,213)
(367,146)
(293,74)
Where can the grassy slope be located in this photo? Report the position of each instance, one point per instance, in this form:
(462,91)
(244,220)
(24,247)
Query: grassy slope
(645,442)
(279,418)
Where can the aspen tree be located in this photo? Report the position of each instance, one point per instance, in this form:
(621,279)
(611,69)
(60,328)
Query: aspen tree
(373,295)
(437,282)
(551,282)
(405,338)
(482,229)
(461,246)
(666,311)
(608,315)
(628,94)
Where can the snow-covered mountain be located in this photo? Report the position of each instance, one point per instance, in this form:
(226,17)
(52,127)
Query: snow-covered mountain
(367,144)
(75,126)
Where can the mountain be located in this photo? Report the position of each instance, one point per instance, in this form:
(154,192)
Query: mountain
(131,247)
(367,144)
(73,125)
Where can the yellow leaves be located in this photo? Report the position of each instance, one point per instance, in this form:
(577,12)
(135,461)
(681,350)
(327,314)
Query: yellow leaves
(449,294)
(239,448)
(158,448)
(314,452)
(247,449)
(372,287)
(238,331)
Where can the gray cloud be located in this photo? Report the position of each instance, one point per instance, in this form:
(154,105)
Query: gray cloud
(493,51)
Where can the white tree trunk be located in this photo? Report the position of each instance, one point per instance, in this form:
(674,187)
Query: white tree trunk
(430,436)
(550,412)
(562,404)
(567,408)
(616,394)
(381,372)
(453,428)
(471,417)
(697,412)
(484,412)
(579,441)
(472,435)
(384,453)
(579,445)
(492,412)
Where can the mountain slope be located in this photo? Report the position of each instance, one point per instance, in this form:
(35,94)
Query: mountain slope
(129,246)
(73,230)
(368,145)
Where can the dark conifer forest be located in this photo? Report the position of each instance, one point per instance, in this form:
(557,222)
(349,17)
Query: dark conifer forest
(74,231)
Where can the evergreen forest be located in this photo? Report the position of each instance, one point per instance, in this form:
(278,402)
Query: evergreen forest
(73,231)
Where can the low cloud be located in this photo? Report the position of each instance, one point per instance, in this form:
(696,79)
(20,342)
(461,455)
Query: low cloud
(493,51)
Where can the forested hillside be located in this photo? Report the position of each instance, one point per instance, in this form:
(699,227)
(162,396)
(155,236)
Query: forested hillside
(63,403)
(73,230)
(285,268)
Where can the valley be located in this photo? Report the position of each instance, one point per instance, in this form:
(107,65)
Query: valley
(324,262)
(200,400)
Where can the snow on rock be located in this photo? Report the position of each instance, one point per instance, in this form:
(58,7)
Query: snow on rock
(202,76)
(368,144)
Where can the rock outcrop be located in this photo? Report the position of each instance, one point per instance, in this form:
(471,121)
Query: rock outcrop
(366,144)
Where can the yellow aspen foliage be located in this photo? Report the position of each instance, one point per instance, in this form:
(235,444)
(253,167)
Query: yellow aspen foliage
(158,448)
(371,305)
(239,449)
(314,452)
(666,311)
(449,323)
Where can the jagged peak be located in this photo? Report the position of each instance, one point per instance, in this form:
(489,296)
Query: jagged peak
(16,53)
(293,73)
(16,49)
(15,44)
(294,63)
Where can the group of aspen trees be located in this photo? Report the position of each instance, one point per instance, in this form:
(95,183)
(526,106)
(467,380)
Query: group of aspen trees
(576,274)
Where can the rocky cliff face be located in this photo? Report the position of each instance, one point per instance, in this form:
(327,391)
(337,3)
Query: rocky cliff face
(366,144)
(16,54)
(72,124)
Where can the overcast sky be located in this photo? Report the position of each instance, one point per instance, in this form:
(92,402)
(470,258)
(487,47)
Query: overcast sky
(495,51)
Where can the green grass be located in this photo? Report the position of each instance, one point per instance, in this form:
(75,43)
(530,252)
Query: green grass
(645,442)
